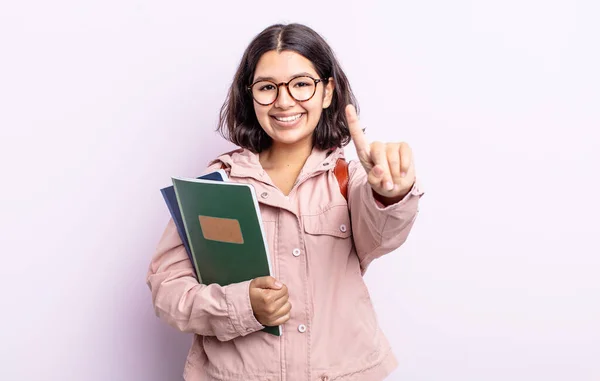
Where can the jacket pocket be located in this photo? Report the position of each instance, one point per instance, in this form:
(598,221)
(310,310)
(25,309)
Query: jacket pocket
(328,243)
(333,220)
(252,357)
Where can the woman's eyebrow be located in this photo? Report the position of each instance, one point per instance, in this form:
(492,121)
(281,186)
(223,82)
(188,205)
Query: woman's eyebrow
(303,74)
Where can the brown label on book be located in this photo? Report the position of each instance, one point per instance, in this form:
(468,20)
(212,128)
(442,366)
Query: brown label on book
(221,229)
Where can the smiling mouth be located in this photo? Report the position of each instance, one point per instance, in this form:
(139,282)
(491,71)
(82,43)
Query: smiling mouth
(288,119)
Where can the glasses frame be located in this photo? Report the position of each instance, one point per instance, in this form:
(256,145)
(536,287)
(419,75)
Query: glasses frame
(287,86)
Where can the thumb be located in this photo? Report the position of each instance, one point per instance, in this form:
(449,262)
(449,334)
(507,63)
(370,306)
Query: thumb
(266,282)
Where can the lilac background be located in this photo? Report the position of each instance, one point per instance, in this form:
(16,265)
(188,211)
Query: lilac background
(102,101)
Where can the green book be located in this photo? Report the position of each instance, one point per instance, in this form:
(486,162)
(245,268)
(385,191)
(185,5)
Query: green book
(224,227)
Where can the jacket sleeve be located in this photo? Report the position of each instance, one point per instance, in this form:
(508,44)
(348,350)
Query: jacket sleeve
(378,230)
(182,302)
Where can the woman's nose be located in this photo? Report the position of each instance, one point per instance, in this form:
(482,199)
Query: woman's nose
(284,99)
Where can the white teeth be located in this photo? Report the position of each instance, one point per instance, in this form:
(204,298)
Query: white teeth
(289,118)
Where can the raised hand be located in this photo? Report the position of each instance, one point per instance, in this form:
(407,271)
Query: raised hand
(390,166)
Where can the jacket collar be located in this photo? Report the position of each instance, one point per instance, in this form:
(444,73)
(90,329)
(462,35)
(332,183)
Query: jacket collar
(245,163)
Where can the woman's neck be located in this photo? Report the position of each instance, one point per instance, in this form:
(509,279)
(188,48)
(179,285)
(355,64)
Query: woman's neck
(282,156)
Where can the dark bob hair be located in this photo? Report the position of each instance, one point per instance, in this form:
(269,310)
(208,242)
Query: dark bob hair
(237,120)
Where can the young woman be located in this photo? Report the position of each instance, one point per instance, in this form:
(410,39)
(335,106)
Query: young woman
(291,111)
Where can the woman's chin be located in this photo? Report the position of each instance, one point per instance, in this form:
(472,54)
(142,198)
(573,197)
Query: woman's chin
(291,141)
(292,137)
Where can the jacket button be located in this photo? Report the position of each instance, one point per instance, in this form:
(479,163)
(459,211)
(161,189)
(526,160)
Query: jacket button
(296,252)
(301,328)
(264,195)
(343,228)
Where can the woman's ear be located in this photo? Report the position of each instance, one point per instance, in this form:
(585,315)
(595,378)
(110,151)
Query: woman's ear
(328,96)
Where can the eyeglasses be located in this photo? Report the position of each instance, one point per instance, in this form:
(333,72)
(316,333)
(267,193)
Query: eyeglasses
(300,88)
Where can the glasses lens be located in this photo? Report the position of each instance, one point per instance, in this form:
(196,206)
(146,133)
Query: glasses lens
(302,88)
(264,92)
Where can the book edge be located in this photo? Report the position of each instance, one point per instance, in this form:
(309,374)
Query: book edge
(187,232)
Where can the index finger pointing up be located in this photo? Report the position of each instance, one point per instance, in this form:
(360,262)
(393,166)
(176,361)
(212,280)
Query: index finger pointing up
(358,136)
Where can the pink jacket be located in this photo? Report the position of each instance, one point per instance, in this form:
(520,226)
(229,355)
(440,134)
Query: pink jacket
(320,247)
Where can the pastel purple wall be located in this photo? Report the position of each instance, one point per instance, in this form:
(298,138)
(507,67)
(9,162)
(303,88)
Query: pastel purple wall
(102,101)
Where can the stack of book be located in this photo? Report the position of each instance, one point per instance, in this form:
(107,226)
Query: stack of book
(221,228)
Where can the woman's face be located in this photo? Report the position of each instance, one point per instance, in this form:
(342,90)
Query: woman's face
(288,121)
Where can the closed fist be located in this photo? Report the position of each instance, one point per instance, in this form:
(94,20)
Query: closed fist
(269,299)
